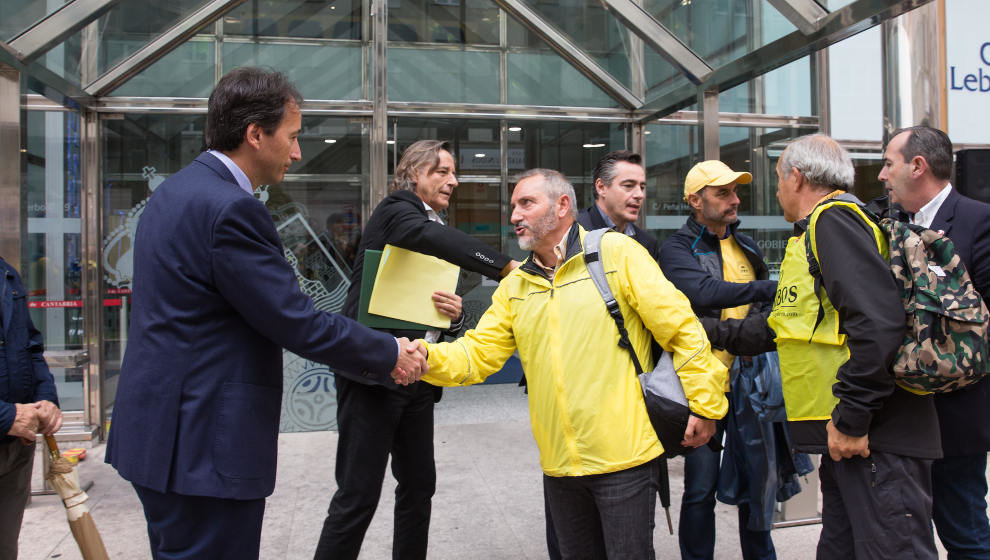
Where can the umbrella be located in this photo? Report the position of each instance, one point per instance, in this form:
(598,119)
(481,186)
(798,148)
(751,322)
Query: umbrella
(663,488)
(62,476)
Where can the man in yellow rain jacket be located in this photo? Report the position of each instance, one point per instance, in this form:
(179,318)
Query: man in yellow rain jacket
(597,446)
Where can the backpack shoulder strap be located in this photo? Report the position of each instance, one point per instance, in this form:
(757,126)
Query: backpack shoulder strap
(814,268)
(593,261)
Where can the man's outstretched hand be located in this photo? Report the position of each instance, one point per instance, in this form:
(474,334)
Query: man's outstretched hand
(411,363)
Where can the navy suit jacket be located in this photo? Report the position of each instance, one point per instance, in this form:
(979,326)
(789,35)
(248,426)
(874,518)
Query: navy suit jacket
(964,415)
(214,302)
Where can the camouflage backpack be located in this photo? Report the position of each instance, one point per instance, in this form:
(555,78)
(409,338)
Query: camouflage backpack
(945,344)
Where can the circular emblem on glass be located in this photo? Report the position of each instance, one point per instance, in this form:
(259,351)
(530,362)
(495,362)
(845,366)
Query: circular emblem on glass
(310,401)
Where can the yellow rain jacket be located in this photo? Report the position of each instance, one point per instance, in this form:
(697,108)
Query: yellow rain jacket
(585,403)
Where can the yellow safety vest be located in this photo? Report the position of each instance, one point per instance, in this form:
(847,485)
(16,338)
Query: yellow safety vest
(810,355)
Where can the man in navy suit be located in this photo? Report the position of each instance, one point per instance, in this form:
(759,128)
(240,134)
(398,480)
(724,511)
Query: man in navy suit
(916,167)
(195,422)
(620,192)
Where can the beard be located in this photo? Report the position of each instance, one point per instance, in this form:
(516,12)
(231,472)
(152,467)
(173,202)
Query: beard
(714,216)
(538,229)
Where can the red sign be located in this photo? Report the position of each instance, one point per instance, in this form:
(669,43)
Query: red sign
(70,303)
(54,303)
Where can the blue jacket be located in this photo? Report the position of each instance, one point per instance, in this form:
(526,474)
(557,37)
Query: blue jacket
(24,375)
(691,258)
(758,467)
(215,302)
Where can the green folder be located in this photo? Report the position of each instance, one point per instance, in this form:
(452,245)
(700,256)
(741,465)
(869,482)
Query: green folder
(371,260)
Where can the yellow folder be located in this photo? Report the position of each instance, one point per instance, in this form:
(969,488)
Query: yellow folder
(405,284)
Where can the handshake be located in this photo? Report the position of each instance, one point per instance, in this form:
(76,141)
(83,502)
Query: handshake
(411,364)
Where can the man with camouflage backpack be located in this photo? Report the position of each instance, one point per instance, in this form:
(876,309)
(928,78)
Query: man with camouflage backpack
(916,168)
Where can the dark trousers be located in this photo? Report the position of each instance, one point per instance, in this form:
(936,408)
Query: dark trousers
(605,515)
(553,549)
(375,422)
(696,528)
(201,527)
(16,462)
(959,506)
(878,507)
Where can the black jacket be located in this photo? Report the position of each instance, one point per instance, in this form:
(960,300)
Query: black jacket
(400,219)
(860,286)
(691,258)
(591,219)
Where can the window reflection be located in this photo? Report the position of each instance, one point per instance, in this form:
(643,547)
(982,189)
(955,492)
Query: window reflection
(336,19)
(443,21)
(52,260)
(316,211)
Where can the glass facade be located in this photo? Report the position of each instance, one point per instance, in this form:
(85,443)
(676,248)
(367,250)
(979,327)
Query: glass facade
(52,260)
(557,87)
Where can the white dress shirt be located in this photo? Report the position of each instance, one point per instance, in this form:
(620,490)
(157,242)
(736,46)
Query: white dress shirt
(926,214)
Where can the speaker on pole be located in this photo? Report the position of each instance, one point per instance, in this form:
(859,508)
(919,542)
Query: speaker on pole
(973,173)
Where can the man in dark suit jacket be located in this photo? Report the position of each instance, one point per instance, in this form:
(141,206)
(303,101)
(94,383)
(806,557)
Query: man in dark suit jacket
(195,422)
(376,422)
(620,189)
(917,165)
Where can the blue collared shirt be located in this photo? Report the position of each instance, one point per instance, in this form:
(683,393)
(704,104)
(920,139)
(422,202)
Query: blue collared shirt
(239,176)
(629,230)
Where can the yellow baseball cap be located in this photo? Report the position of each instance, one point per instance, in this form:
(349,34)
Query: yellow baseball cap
(712,172)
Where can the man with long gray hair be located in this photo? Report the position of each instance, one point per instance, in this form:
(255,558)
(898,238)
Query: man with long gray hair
(598,449)
(377,422)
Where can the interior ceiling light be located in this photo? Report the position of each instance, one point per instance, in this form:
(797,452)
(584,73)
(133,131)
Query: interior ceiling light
(329,141)
(390,142)
(515,128)
(479,155)
(647,132)
(593,146)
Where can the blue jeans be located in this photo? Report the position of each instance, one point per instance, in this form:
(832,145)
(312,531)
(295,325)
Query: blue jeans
(959,506)
(605,515)
(696,528)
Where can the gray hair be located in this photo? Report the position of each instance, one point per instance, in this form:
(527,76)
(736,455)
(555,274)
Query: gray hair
(822,161)
(555,185)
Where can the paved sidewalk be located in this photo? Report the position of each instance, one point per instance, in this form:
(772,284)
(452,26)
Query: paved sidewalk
(488,505)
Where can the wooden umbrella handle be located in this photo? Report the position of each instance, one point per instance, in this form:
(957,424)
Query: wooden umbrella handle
(52,447)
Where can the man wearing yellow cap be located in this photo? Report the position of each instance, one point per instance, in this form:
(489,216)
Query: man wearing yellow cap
(722,272)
